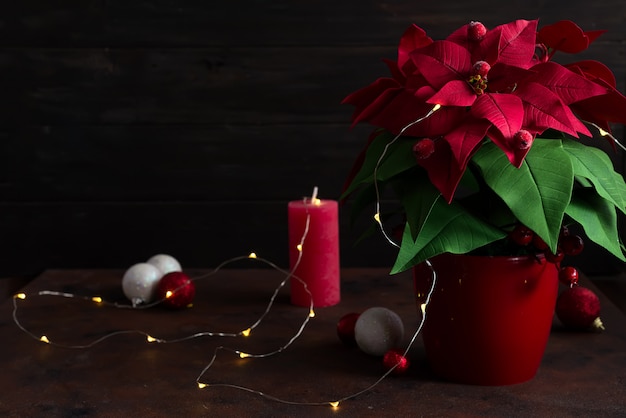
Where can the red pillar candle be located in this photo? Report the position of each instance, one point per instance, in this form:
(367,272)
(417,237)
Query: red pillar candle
(318,265)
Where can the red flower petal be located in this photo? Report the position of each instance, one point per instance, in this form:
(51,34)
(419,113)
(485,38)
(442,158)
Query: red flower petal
(486,49)
(372,99)
(413,38)
(566,36)
(509,147)
(454,93)
(402,109)
(504,111)
(443,170)
(465,138)
(505,78)
(438,124)
(601,110)
(543,109)
(461,37)
(593,70)
(517,43)
(569,86)
(442,61)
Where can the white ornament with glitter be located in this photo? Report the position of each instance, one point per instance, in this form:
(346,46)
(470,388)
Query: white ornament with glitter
(165,263)
(378,330)
(139,282)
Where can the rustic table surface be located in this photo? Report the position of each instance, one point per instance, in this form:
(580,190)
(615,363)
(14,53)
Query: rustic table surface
(582,374)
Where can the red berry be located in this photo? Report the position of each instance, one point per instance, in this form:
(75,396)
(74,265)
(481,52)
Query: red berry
(578,307)
(476,31)
(539,243)
(521,235)
(555,257)
(481,68)
(568,275)
(345,328)
(572,244)
(523,139)
(423,148)
(395,358)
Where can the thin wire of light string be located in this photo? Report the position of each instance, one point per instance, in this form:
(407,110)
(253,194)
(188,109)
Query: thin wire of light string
(289,274)
(337,401)
(605,133)
(413,338)
(379,162)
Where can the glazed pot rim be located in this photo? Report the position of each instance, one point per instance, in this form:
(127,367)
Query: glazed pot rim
(539,256)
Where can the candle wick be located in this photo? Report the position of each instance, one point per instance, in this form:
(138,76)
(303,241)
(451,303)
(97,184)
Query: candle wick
(314,195)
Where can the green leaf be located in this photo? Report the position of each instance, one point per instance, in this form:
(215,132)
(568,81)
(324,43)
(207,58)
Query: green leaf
(418,197)
(538,192)
(598,218)
(397,156)
(365,173)
(448,228)
(594,165)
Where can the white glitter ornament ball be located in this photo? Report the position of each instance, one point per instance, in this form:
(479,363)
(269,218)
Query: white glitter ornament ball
(165,263)
(378,330)
(139,282)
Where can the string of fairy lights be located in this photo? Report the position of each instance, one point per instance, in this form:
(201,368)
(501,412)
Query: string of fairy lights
(379,162)
(246,332)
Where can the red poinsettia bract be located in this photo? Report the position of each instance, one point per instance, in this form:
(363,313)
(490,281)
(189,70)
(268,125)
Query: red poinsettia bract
(489,84)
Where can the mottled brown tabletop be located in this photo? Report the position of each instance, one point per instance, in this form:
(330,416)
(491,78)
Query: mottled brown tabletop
(582,374)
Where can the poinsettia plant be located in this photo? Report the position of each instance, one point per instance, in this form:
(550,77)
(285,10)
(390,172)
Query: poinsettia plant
(480,137)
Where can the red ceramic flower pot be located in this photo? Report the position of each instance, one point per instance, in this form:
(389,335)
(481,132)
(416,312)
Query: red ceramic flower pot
(489,318)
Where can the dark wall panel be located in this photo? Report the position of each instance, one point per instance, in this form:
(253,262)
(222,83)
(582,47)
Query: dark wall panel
(185,126)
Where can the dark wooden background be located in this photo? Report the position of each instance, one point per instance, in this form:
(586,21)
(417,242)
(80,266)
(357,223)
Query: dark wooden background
(129,128)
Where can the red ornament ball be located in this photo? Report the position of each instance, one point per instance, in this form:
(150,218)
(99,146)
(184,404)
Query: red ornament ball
(579,308)
(176,290)
(345,328)
(395,357)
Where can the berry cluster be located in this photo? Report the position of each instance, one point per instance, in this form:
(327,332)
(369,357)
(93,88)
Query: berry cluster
(569,244)
(577,308)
